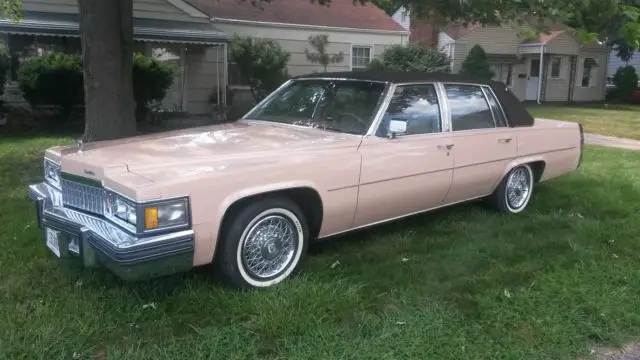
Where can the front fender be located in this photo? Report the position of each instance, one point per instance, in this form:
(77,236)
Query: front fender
(261,189)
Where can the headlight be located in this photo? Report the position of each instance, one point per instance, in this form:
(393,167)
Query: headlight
(153,216)
(166,214)
(52,173)
(121,211)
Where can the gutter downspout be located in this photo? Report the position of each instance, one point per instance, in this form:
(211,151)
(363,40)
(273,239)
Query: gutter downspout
(540,74)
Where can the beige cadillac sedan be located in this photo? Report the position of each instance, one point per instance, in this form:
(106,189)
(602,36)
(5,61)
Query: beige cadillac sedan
(324,154)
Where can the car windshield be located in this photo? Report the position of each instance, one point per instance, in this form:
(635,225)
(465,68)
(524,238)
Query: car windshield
(346,106)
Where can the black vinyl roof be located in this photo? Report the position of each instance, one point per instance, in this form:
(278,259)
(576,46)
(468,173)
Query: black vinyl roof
(517,114)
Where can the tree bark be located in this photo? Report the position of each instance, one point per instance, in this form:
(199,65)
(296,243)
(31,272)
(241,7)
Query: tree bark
(106,29)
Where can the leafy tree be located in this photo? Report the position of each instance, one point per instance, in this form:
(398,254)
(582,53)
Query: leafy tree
(615,22)
(388,6)
(476,64)
(322,57)
(106,29)
(262,63)
(151,79)
(412,57)
(626,82)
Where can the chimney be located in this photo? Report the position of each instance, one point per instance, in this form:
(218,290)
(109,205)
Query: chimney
(423,33)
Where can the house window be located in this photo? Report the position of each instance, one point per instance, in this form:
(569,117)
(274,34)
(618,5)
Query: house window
(588,67)
(234,76)
(556,67)
(360,57)
(534,70)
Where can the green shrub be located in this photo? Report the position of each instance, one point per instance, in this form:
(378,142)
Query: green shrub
(151,80)
(476,64)
(262,63)
(54,79)
(626,81)
(412,57)
(57,79)
(5,65)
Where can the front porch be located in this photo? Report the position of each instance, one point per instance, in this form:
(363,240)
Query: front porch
(198,50)
(561,70)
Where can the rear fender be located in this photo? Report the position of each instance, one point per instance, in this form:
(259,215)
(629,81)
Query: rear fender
(517,162)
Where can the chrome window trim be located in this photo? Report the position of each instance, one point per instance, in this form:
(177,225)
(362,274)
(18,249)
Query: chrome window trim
(267,98)
(446,110)
(482,86)
(493,115)
(440,106)
(379,105)
(340,79)
(504,114)
(373,128)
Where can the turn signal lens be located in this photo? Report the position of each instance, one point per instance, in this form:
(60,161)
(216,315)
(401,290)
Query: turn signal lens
(151,218)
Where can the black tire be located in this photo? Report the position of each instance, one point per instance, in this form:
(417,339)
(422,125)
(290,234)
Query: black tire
(231,251)
(499,200)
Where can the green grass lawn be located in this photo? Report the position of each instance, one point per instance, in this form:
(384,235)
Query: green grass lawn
(613,120)
(460,283)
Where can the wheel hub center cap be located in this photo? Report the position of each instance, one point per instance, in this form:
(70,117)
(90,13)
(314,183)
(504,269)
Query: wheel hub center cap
(271,248)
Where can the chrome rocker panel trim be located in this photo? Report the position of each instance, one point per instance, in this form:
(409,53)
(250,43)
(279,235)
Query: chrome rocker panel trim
(102,243)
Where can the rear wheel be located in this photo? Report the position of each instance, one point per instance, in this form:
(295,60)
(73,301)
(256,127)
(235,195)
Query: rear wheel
(263,243)
(514,191)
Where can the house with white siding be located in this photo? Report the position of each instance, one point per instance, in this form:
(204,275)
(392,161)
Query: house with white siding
(194,35)
(615,62)
(553,67)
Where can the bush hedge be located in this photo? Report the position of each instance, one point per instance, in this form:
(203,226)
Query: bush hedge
(626,81)
(57,79)
(54,79)
(5,65)
(412,57)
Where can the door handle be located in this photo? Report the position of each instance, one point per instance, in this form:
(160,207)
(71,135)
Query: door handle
(445,147)
(505,140)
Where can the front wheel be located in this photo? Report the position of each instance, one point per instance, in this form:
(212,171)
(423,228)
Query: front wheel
(263,244)
(514,191)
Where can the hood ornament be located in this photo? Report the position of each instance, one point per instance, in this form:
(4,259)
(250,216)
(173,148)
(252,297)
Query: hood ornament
(79,144)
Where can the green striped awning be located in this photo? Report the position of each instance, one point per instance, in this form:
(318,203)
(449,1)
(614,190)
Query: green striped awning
(67,25)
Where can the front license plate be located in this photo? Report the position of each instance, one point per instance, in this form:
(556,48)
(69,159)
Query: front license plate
(53,242)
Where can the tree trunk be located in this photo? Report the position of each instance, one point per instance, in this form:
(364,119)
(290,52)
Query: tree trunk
(106,29)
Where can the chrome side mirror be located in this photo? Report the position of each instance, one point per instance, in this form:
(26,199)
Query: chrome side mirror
(397,127)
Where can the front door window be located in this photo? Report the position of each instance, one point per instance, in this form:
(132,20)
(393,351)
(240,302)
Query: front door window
(534,71)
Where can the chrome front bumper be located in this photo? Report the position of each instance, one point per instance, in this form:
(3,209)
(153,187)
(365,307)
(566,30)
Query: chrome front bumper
(98,242)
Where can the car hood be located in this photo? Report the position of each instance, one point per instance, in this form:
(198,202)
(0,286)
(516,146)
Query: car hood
(193,150)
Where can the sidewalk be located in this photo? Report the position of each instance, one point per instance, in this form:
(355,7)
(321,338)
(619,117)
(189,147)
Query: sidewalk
(611,141)
(595,139)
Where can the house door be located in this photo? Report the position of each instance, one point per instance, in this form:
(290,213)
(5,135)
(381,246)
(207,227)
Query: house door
(532,79)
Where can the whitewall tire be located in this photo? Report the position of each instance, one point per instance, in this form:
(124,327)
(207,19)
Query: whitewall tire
(263,243)
(514,191)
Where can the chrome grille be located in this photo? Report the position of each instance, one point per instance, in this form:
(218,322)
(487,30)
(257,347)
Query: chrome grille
(84,197)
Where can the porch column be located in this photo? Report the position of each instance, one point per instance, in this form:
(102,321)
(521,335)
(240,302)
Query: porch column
(572,77)
(545,75)
(225,67)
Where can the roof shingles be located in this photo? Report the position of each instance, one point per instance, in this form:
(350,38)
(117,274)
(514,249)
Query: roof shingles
(341,13)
